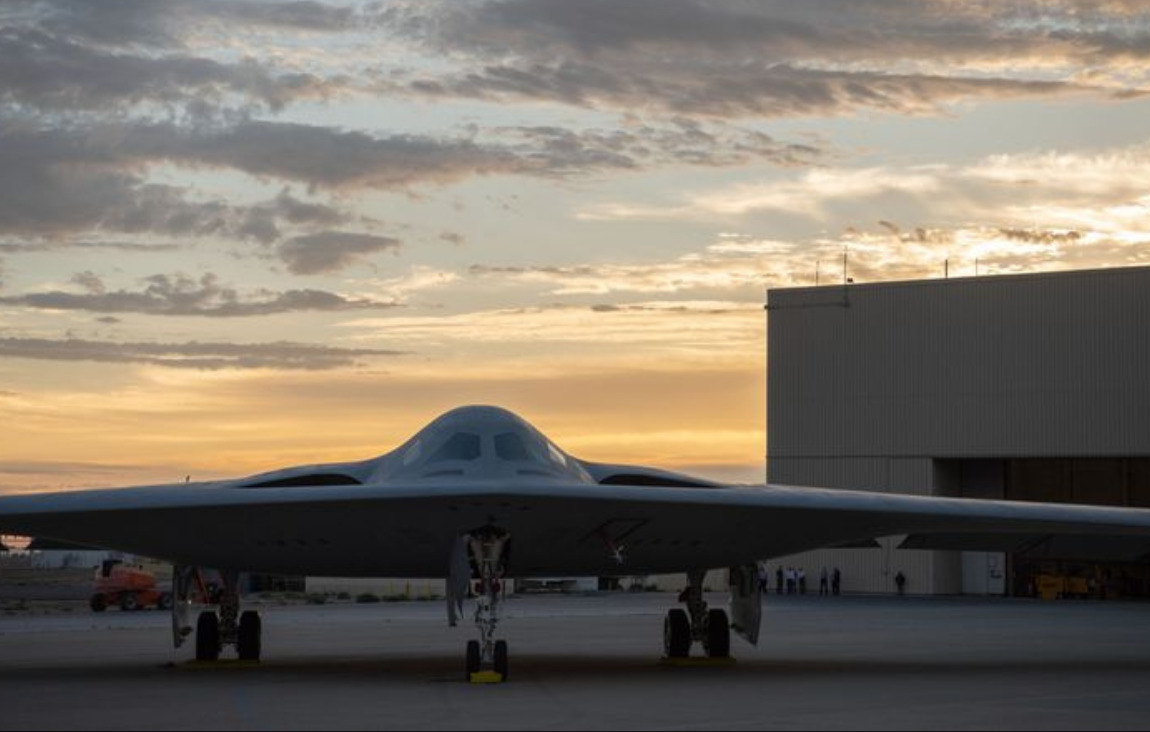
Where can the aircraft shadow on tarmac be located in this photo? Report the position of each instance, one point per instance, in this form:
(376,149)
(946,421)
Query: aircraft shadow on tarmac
(544,668)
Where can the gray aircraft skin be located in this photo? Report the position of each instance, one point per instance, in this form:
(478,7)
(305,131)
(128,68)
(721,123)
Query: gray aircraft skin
(480,494)
(399,515)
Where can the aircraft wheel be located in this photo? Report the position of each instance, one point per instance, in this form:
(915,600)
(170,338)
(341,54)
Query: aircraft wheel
(718,634)
(208,637)
(677,634)
(501,667)
(249,641)
(98,603)
(473,658)
(129,602)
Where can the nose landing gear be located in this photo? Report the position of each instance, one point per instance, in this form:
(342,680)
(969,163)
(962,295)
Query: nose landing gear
(487,658)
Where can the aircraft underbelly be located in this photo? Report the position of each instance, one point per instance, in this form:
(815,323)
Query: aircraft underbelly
(415,540)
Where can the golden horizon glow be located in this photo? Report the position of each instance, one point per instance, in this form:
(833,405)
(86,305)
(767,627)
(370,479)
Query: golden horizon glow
(262,233)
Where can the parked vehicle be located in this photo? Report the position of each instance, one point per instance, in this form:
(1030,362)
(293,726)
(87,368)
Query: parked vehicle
(128,587)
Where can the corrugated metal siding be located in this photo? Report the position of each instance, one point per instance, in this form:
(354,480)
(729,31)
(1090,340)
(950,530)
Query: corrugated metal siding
(1030,366)
(869,384)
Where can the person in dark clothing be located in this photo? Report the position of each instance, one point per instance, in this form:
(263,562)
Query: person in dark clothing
(900,582)
(824,583)
(780,585)
(836,582)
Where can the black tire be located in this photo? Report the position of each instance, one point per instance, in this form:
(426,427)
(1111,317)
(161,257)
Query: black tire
(677,634)
(129,602)
(98,603)
(208,637)
(501,666)
(249,641)
(473,658)
(165,601)
(718,634)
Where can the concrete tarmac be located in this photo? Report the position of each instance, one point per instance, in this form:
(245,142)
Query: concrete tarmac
(593,663)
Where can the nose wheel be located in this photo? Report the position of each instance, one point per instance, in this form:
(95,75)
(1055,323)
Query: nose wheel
(487,658)
(677,634)
(500,662)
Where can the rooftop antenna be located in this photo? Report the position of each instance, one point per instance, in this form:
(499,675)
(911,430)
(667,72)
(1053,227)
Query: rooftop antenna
(845,254)
(946,269)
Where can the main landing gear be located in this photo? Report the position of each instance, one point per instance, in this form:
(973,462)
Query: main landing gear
(488,550)
(214,629)
(697,624)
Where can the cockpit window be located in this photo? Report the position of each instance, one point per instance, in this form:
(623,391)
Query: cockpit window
(510,446)
(413,453)
(556,455)
(461,446)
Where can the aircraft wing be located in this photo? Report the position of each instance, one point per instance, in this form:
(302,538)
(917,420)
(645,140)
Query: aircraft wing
(556,528)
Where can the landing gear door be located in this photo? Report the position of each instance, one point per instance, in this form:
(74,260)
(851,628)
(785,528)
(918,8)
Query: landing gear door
(746,603)
(182,587)
(458,581)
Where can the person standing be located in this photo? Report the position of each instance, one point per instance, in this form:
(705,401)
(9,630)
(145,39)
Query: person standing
(802,581)
(824,583)
(836,582)
(779,581)
(900,582)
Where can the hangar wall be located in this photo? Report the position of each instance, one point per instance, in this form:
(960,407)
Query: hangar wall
(897,386)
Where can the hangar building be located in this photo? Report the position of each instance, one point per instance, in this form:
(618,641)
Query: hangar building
(1028,387)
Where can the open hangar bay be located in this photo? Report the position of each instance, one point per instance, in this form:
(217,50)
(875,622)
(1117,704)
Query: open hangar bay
(593,662)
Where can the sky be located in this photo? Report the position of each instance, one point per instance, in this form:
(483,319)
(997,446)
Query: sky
(238,235)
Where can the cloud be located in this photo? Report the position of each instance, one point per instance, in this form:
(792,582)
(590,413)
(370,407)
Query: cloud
(722,270)
(90,282)
(771,59)
(263,222)
(55,245)
(418,279)
(1104,190)
(331,251)
(144,23)
(319,156)
(837,30)
(50,73)
(51,184)
(179,295)
(755,90)
(193,355)
(679,141)
(334,158)
(698,328)
(740,268)
(58,182)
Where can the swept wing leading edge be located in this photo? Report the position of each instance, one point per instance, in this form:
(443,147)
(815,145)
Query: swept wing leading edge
(408,529)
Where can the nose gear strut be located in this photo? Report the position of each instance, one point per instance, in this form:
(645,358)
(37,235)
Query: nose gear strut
(488,550)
